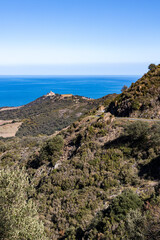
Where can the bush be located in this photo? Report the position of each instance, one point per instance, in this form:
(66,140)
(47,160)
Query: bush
(152,67)
(3,147)
(51,150)
(155,135)
(124,88)
(123,203)
(135,105)
(137,131)
(135,223)
(53,145)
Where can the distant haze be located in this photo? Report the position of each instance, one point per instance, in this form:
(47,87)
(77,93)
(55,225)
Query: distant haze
(77,69)
(78,37)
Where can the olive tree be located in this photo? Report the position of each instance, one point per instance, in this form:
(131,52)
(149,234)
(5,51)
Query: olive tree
(18,214)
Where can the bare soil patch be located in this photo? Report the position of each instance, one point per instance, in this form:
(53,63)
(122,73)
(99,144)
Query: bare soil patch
(2,122)
(9,108)
(9,130)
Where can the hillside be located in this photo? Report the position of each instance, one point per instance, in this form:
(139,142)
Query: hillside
(50,113)
(142,99)
(96,179)
(81,175)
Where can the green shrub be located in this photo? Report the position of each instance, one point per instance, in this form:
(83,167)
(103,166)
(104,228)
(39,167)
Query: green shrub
(135,225)
(152,67)
(124,88)
(51,151)
(137,131)
(155,135)
(123,203)
(3,147)
(135,105)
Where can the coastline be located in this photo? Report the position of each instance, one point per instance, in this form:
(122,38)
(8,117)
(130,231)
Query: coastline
(21,90)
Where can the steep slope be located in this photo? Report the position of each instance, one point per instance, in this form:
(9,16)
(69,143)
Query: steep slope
(142,99)
(78,174)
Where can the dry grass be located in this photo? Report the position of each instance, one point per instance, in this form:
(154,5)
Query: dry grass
(9,130)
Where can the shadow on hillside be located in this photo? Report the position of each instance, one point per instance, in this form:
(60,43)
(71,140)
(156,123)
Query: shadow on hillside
(138,144)
(117,142)
(151,170)
(34,163)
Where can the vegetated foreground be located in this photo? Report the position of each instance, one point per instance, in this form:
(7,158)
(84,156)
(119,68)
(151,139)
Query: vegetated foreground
(96,179)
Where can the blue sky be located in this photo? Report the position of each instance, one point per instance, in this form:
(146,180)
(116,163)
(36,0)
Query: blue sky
(78,36)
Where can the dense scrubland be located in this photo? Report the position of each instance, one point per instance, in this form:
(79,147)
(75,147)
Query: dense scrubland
(142,98)
(96,179)
(48,114)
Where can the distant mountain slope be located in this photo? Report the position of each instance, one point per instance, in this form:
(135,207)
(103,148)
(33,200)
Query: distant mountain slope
(142,99)
(50,113)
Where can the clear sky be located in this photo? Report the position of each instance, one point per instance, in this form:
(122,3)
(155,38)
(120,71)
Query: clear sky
(79,36)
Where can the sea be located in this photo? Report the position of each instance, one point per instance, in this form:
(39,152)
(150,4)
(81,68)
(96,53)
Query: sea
(19,90)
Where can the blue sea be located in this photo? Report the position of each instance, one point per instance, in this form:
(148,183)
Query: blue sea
(20,90)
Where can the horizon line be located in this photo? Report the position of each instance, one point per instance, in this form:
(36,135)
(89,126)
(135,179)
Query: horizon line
(69,75)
